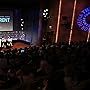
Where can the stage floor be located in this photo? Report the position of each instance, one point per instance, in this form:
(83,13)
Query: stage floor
(17,45)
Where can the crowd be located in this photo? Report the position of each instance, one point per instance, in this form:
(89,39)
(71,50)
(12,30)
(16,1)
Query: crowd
(45,67)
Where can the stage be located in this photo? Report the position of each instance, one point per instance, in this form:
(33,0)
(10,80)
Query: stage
(17,44)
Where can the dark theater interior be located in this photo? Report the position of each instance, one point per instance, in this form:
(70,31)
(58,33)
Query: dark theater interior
(44,45)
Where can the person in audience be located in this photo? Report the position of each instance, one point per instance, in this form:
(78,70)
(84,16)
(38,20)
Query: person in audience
(50,66)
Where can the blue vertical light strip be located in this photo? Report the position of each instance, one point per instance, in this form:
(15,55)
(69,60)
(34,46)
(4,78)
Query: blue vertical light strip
(31,25)
(81,20)
(17,17)
(40,25)
(35,25)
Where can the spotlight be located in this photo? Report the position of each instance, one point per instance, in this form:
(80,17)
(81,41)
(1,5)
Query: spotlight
(23,22)
(21,25)
(21,19)
(22,28)
(47,10)
(43,14)
(46,13)
(50,27)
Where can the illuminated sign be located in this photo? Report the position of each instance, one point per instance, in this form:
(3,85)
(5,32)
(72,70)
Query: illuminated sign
(4,19)
(82,19)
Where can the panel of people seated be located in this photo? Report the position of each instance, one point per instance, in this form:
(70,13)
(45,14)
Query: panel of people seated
(5,43)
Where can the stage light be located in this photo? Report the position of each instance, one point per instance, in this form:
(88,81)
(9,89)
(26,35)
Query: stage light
(46,13)
(23,22)
(22,28)
(43,14)
(47,10)
(21,25)
(50,27)
(21,19)
(58,22)
(88,36)
(73,17)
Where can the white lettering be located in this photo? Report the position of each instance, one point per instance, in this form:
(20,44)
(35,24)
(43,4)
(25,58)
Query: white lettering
(5,20)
